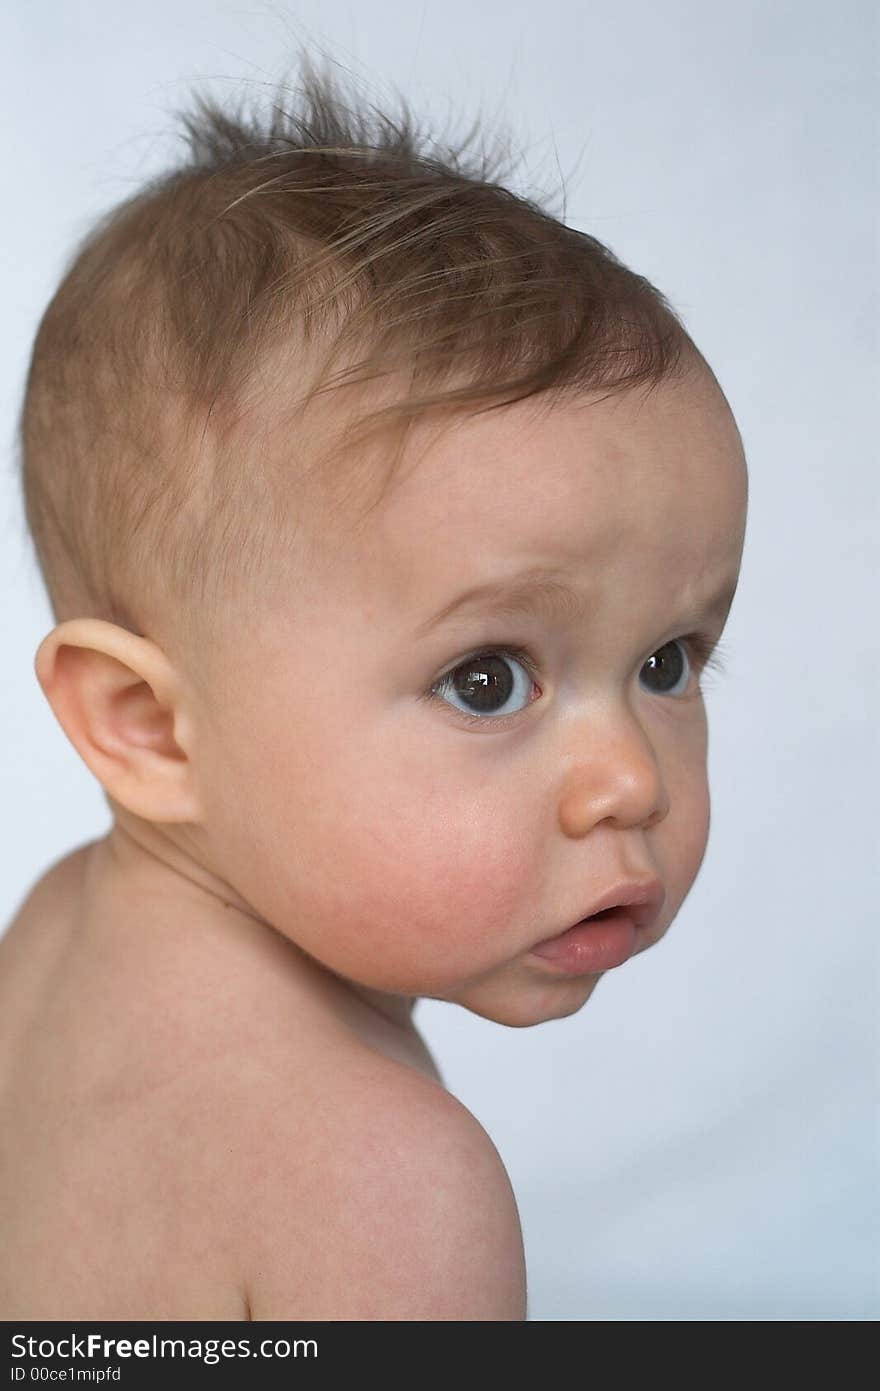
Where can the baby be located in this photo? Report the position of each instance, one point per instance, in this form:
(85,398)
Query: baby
(389,525)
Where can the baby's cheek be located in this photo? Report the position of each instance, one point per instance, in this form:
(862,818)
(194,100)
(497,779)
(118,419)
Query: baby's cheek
(684,837)
(430,891)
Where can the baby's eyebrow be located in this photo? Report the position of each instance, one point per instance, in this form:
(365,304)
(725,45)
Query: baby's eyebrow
(543,591)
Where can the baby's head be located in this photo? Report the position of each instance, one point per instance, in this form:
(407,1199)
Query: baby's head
(291,407)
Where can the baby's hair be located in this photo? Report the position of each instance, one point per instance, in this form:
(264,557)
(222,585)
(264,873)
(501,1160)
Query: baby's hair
(289,260)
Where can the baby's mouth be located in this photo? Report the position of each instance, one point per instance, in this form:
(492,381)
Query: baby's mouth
(609,935)
(604,940)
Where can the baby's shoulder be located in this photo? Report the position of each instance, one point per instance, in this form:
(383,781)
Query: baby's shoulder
(380,1196)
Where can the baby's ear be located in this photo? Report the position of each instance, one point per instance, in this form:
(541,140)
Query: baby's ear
(120,703)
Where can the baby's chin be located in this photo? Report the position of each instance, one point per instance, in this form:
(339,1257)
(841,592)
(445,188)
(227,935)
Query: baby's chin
(525,1003)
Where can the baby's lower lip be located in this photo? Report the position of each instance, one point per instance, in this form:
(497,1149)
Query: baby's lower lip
(595,944)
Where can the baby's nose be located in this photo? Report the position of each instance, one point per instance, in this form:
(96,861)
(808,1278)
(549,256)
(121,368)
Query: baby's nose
(617,779)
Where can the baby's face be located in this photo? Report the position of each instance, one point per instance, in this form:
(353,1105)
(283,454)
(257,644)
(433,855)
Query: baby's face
(418,800)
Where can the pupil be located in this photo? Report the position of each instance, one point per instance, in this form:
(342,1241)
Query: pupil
(668,662)
(485,682)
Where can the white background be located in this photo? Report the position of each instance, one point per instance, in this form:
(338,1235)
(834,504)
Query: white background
(701,1141)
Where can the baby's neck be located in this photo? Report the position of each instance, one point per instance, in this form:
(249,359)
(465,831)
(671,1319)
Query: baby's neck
(145,895)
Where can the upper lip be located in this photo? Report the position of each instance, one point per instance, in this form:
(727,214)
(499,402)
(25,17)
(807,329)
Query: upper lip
(644,897)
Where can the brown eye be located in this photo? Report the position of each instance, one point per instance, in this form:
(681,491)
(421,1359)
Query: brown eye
(489,683)
(665,668)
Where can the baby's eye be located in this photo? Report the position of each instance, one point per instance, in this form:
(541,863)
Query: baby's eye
(498,682)
(665,668)
(488,684)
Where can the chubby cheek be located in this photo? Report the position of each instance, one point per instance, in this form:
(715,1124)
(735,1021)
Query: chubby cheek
(399,876)
(418,889)
(682,839)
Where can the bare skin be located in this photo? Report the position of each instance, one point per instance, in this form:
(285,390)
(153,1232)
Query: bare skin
(143,1069)
(214,1099)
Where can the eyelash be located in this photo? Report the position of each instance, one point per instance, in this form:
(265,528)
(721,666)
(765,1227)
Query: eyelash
(707,651)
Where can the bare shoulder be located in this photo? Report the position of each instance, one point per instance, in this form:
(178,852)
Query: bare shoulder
(392,1203)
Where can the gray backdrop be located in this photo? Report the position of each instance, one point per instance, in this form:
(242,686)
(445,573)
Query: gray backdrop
(701,1141)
